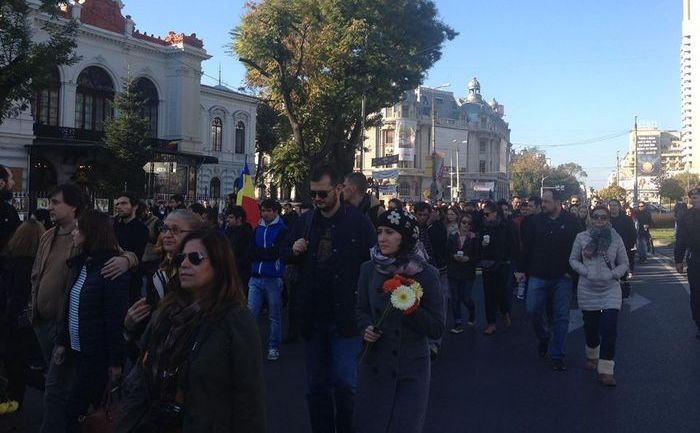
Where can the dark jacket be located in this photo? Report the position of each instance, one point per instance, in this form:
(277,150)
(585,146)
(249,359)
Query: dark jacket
(688,237)
(371,207)
(103,305)
(329,288)
(644,218)
(502,245)
(242,242)
(15,291)
(267,262)
(132,236)
(9,221)
(397,367)
(471,248)
(624,226)
(547,245)
(224,390)
(434,238)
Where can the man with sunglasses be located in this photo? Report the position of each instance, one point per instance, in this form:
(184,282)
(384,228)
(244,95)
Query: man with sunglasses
(644,222)
(330,244)
(688,240)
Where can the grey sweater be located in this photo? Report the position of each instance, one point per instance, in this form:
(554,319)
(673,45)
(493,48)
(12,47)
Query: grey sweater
(599,286)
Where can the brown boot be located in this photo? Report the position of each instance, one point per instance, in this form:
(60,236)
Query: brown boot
(606,370)
(592,355)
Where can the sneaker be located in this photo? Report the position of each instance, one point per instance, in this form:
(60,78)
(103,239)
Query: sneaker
(458,329)
(273,354)
(558,365)
(543,348)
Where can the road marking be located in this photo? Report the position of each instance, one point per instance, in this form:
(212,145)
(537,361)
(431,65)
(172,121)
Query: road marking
(635,302)
(675,274)
(575,320)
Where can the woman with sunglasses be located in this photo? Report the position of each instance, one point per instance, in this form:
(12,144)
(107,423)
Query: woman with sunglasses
(498,249)
(452,218)
(177,225)
(600,258)
(394,374)
(461,271)
(91,342)
(200,368)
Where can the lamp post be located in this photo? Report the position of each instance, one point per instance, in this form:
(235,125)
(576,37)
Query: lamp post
(547,162)
(433,185)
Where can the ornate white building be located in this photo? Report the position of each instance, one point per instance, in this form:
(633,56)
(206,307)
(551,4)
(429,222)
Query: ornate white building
(203,133)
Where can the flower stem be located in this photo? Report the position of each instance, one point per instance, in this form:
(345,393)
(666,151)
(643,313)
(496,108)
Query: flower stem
(368,345)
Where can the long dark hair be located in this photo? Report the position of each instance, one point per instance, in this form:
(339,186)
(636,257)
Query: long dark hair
(226,288)
(98,231)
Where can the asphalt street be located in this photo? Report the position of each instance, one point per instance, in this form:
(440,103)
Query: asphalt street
(499,384)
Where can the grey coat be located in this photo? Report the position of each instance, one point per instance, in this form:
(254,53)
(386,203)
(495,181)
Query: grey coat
(598,285)
(394,377)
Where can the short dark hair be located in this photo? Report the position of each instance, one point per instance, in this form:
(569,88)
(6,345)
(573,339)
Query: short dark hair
(536,200)
(325,170)
(271,203)
(556,195)
(397,202)
(177,197)
(236,212)
(421,206)
(72,196)
(358,180)
(132,196)
(614,200)
(198,208)
(603,208)
(3,173)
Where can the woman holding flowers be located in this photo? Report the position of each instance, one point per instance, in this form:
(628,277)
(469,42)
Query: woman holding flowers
(400,307)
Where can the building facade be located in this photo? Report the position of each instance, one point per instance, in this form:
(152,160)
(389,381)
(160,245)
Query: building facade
(201,134)
(690,84)
(469,137)
(653,152)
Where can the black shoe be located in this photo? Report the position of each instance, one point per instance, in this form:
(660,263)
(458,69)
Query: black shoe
(543,348)
(558,365)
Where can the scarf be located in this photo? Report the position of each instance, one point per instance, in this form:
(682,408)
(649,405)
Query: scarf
(406,264)
(600,241)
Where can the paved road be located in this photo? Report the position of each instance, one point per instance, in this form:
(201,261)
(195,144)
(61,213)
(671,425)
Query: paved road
(499,384)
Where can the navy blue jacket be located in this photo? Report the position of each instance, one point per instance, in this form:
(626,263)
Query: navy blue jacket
(329,289)
(267,262)
(103,305)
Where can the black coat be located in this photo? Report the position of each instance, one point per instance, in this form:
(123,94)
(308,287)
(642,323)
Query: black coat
(9,221)
(329,290)
(242,242)
(472,249)
(15,290)
(502,245)
(547,244)
(624,226)
(103,305)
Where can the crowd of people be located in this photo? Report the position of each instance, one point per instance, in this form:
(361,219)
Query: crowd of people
(164,303)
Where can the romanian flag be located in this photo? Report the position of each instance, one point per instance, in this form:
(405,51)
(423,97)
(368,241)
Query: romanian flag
(246,196)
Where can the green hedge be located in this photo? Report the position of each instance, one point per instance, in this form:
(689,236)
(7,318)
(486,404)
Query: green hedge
(663,220)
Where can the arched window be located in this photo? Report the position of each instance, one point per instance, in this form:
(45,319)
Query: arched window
(216,137)
(149,110)
(240,138)
(94,99)
(215,188)
(45,108)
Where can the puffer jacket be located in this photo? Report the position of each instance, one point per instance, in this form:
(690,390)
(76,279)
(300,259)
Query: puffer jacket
(599,285)
(267,262)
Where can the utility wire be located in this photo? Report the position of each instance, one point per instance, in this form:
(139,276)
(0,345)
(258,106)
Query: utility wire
(578,143)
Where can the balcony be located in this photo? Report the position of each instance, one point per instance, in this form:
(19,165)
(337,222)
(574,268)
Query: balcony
(67,134)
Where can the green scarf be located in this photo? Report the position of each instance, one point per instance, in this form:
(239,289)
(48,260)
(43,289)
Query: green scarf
(600,241)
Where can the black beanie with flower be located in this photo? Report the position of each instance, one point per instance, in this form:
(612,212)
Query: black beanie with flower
(404,223)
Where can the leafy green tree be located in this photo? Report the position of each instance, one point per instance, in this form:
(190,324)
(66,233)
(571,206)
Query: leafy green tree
(671,189)
(527,168)
(613,191)
(269,132)
(317,59)
(128,144)
(25,64)
(687,180)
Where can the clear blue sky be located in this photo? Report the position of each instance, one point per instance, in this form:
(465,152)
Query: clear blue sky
(566,71)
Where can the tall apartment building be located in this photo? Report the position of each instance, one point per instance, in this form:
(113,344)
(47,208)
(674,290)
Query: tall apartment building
(690,84)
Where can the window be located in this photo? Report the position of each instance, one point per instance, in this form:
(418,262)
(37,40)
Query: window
(482,166)
(240,138)
(215,188)
(94,99)
(482,146)
(389,137)
(404,190)
(149,110)
(216,129)
(45,108)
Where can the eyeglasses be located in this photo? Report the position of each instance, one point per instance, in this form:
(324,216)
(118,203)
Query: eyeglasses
(195,257)
(175,230)
(465,222)
(600,217)
(319,194)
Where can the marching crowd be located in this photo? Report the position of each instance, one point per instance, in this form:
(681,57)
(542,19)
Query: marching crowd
(163,304)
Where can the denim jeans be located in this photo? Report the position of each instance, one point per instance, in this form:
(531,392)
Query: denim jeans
(556,292)
(600,328)
(271,289)
(461,291)
(642,246)
(331,374)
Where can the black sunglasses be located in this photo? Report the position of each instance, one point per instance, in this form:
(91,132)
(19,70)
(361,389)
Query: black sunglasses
(319,194)
(600,217)
(195,257)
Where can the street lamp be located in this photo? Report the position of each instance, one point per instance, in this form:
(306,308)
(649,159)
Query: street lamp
(433,185)
(459,184)
(547,163)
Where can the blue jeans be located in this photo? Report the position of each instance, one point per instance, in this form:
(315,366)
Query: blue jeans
(271,289)
(601,330)
(462,294)
(331,374)
(556,292)
(642,246)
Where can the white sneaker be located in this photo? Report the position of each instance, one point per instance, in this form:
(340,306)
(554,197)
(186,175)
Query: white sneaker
(273,355)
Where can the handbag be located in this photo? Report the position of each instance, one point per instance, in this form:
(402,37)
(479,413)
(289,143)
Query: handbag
(489,265)
(102,418)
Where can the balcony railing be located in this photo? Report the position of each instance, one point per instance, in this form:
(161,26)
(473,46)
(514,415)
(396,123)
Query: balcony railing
(70,134)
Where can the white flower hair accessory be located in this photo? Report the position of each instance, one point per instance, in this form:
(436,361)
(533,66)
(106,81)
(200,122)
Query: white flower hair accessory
(394,218)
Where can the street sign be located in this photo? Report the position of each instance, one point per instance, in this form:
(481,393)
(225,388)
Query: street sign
(385,174)
(385,160)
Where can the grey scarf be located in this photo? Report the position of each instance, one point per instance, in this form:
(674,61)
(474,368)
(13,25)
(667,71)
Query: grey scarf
(408,265)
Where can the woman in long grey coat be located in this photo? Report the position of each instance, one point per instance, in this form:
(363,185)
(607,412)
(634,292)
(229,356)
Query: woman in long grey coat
(394,373)
(600,258)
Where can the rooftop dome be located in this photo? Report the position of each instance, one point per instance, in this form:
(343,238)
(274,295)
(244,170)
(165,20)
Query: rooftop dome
(474,84)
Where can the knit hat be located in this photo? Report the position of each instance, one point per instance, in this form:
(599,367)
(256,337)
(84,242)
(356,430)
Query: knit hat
(404,223)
